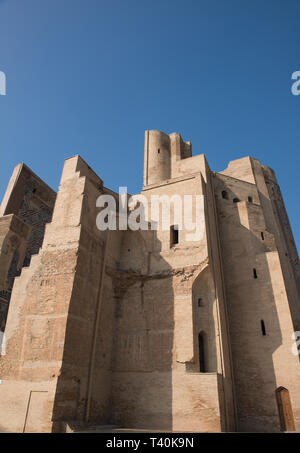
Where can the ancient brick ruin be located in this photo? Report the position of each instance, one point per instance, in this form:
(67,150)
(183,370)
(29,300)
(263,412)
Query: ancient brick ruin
(136,329)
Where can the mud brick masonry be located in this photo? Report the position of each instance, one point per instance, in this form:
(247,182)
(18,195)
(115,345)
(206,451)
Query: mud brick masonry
(133,329)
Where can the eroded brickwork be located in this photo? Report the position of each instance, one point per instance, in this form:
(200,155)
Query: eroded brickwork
(32,201)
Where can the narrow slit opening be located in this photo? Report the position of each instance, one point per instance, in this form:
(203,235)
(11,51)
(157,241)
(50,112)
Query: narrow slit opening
(174,236)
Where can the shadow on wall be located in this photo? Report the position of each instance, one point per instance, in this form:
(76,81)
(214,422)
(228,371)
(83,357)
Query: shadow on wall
(131,381)
(143,337)
(204,299)
(253,318)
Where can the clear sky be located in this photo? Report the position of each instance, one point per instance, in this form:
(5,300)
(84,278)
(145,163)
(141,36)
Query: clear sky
(89,76)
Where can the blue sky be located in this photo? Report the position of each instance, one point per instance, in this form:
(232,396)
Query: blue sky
(89,76)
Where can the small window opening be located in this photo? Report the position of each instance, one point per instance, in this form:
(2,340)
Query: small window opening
(158,151)
(200,302)
(263,328)
(254,273)
(201,353)
(174,235)
(235,200)
(224,195)
(250,199)
(33,190)
(262,236)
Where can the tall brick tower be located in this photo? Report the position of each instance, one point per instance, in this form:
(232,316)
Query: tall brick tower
(147,329)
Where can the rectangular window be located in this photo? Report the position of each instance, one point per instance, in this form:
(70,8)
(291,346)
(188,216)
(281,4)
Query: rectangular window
(174,235)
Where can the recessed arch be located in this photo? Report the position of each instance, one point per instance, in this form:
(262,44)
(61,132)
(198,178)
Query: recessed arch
(204,321)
